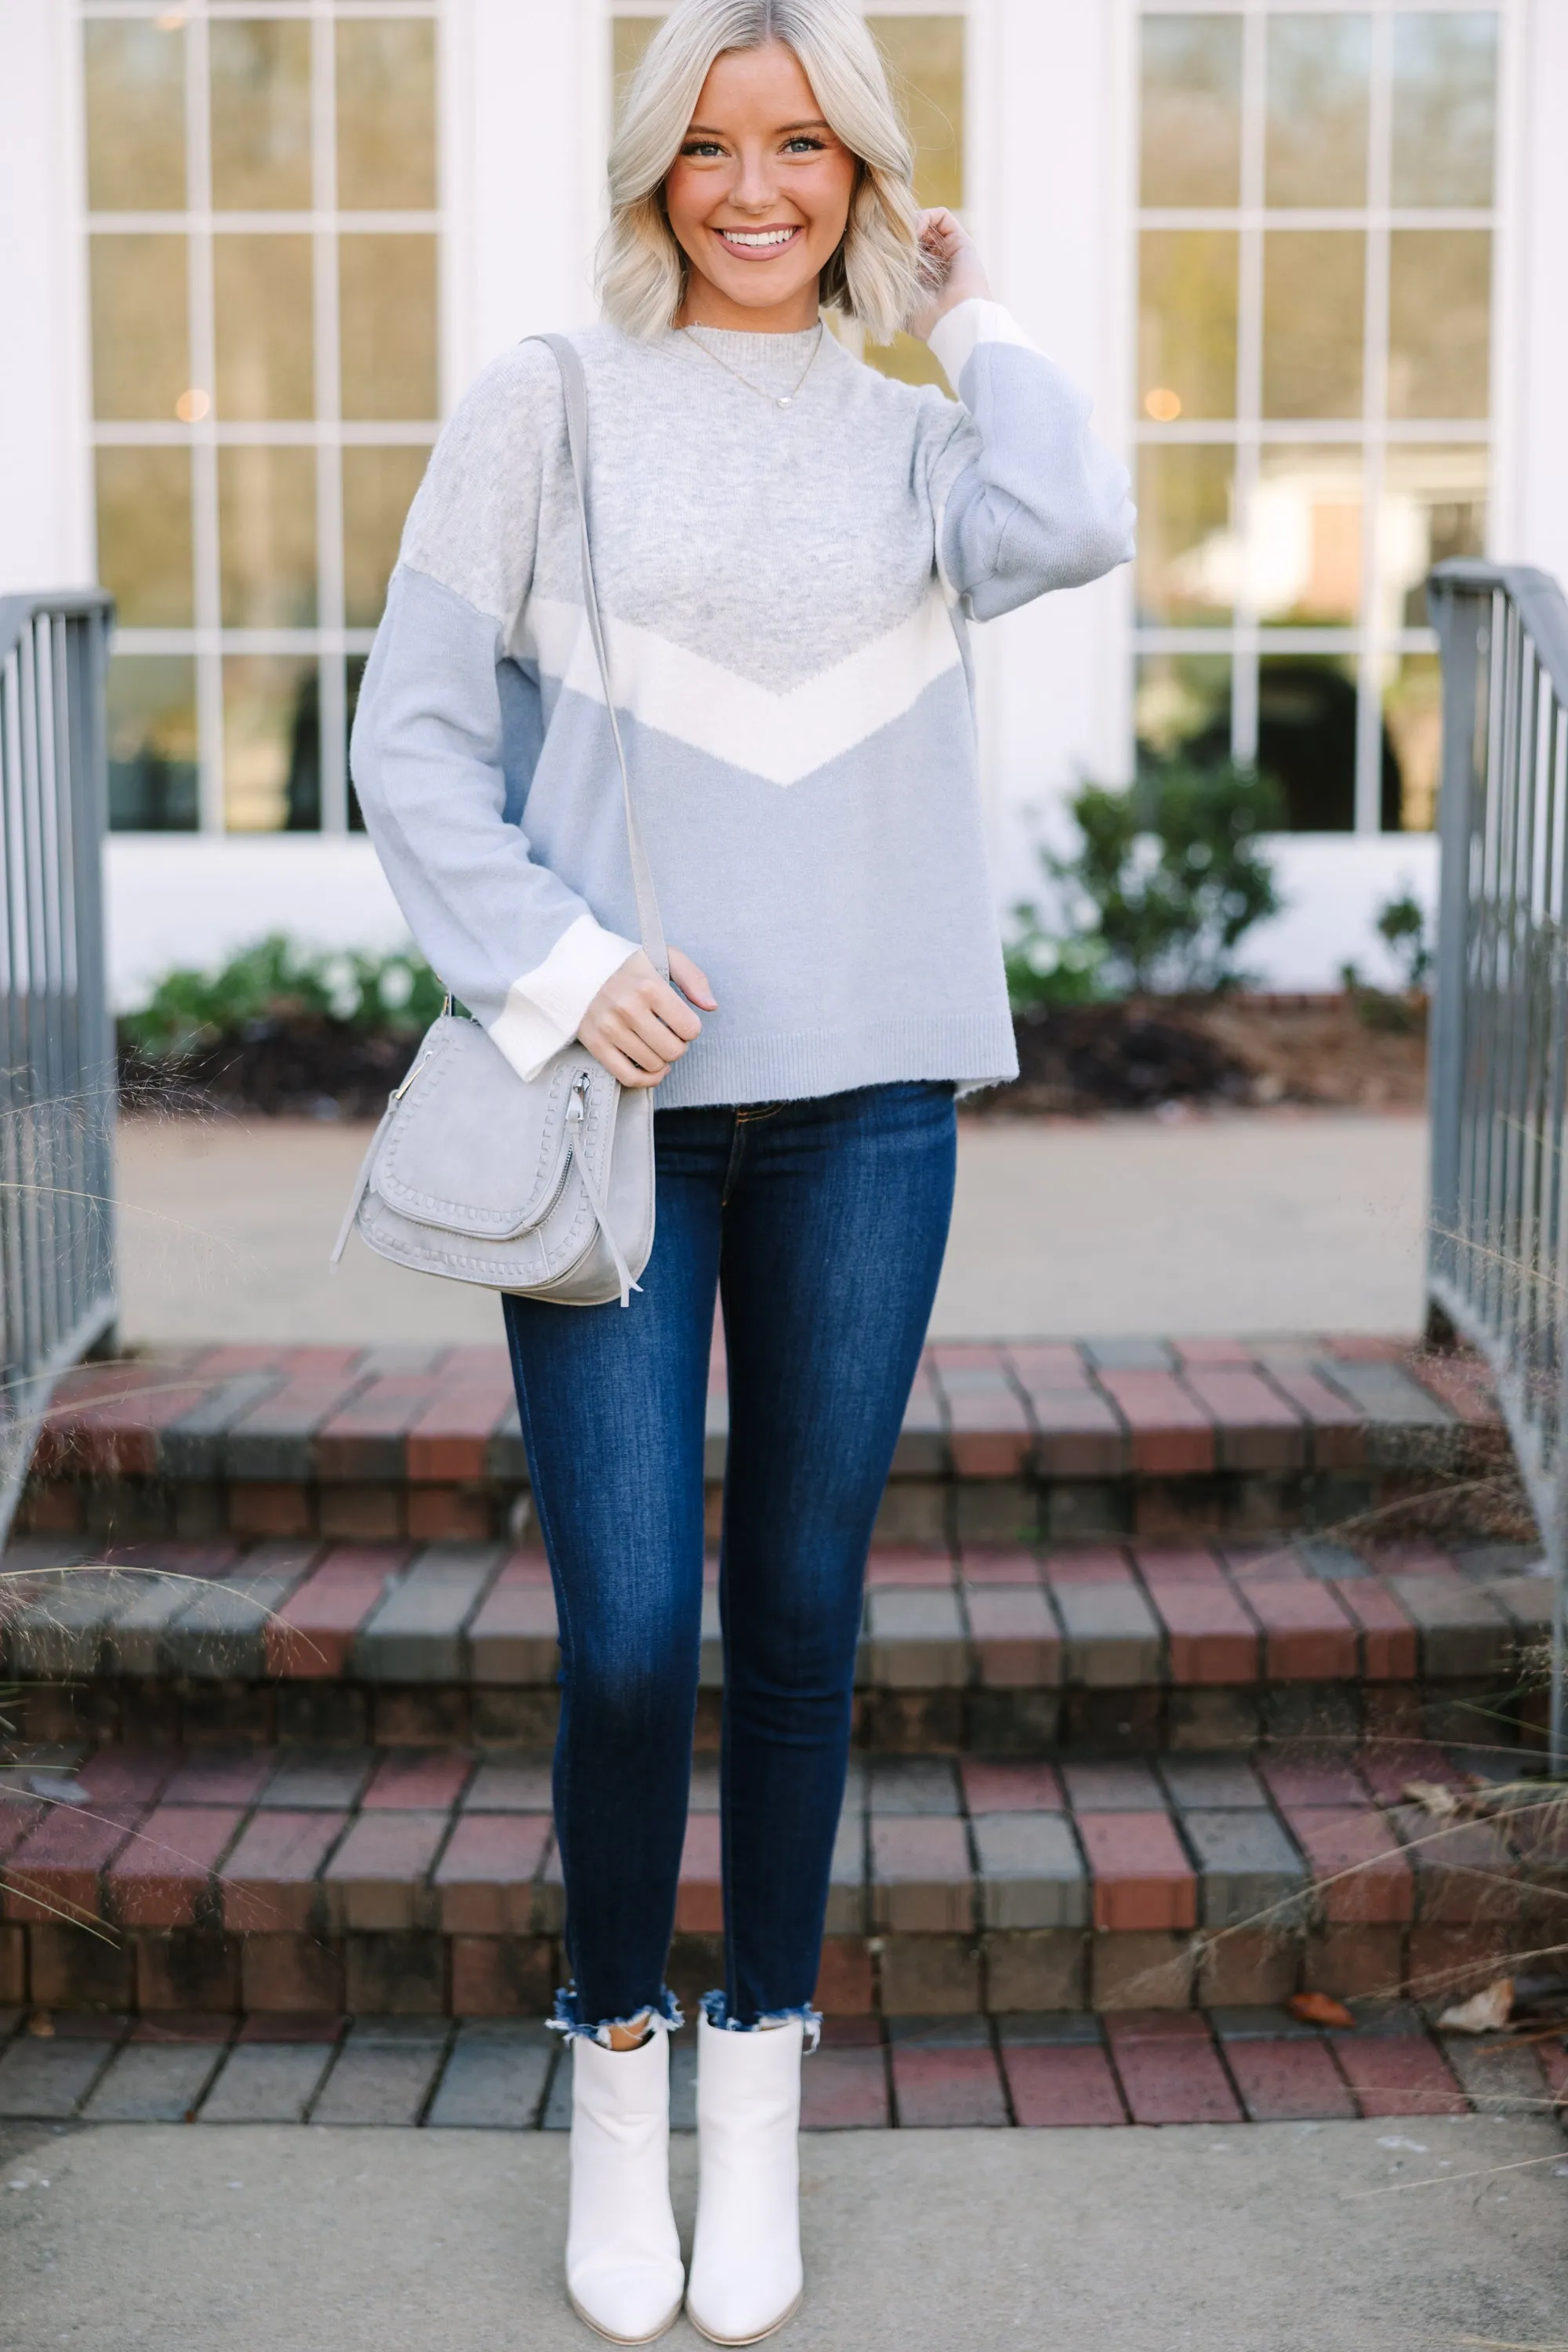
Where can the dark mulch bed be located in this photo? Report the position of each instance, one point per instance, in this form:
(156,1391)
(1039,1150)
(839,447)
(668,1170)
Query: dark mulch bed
(294,1069)
(1074,1061)
(1077,1060)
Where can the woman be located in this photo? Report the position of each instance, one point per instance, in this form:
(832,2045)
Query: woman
(789,548)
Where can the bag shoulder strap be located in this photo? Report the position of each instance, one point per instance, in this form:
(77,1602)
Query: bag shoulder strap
(575,385)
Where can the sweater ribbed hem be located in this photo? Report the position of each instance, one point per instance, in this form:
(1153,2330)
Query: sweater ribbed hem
(969,1049)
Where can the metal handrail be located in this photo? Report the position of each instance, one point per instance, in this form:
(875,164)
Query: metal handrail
(57,1044)
(1498,1247)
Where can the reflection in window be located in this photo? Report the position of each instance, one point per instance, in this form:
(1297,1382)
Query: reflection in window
(388,312)
(1306,737)
(386,114)
(1313,282)
(145,535)
(261,115)
(1413,718)
(134,86)
(271,743)
(629,37)
(1316,132)
(354,678)
(1190,110)
(1440,322)
(1306,537)
(1434,506)
(1188,552)
(266,538)
(264,324)
(1263,532)
(1186,323)
(151,742)
(308,108)
(1182,708)
(1444,107)
(141,355)
(378,489)
(924,57)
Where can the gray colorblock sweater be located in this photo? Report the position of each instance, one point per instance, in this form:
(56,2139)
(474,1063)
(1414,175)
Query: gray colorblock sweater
(786,594)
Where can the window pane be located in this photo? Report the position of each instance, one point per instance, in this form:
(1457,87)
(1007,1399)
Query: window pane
(1306,738)
(1412,733)
(263,320)
(1191,116)
(145,535)
(354,678)
(1444,107)
(261,115)
(152,727)
(378,486)
(1440,322)
(387,287)
(266,538)
(1187,551)
(1315,139)
(271,743)
(1187,322)
(1434,506)
(924,57)
(141,349)
(908,361)
(1181,707)
(1312,294)
(1305,560)
(386,114)
(135,90)
(629,37)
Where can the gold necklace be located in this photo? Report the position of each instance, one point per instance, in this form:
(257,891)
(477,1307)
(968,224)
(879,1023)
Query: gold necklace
(778,399)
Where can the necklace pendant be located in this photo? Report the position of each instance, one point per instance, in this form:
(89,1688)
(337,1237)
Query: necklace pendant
(786,399)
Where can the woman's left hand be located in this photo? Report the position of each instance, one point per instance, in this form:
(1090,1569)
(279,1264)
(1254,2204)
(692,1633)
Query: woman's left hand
(954,264)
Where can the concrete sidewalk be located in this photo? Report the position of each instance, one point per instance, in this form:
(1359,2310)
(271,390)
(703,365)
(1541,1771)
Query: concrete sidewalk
(1256,1224)
(1263,2238)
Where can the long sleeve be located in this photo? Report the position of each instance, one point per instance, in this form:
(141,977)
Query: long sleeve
(1029,499)
(443,705)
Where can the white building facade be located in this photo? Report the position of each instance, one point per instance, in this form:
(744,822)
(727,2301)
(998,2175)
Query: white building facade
(1304,257)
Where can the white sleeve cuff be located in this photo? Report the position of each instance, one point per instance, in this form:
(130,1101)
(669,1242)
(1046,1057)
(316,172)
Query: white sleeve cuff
(543,1008)
(957,331)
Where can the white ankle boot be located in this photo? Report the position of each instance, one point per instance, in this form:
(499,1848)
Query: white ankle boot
(745,2264)
(623,2256)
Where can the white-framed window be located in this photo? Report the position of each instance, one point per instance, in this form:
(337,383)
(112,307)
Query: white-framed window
(926,51)
(264,217)
(1317,216)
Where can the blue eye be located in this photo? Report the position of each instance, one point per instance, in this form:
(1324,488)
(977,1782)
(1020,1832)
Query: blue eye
(702,147)
(812,146)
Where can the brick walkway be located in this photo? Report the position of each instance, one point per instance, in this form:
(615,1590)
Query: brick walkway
(1050,2071)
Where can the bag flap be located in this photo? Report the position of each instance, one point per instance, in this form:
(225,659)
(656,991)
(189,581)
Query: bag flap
(474,1148)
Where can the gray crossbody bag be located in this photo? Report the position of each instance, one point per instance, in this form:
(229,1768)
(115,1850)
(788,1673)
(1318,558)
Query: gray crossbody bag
(542,1186)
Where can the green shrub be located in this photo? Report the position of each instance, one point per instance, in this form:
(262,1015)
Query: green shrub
(276,982)
(1401,925)
(1166,882)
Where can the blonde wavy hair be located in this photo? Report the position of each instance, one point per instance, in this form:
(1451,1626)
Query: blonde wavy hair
(875,274)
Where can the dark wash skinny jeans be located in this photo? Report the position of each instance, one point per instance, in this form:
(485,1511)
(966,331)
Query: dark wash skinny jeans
(822,1225)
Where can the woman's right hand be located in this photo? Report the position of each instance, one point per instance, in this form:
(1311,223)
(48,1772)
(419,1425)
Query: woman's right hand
(637,1025)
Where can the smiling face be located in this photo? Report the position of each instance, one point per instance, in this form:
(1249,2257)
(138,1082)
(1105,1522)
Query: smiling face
(758,197)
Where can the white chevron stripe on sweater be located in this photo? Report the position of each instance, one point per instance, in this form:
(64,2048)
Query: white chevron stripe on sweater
(782,736)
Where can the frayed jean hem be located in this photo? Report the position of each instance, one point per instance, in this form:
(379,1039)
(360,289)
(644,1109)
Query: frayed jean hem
(665,2015)
(715,2009)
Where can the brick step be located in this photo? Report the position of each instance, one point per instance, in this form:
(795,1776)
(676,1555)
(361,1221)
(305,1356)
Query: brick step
(1229,2065)
(425,1881)
(1153,1437)
(1097,1648)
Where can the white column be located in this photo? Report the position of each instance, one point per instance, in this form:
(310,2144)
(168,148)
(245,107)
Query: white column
(46,520)
(532,109)
(1054,124)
